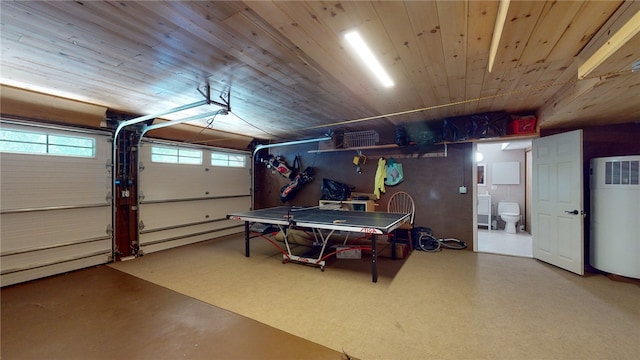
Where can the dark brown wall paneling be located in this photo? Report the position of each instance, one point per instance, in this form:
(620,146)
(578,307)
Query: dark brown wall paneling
(432,181)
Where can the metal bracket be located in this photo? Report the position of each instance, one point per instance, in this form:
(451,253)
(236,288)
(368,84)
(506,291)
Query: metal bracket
(226,103)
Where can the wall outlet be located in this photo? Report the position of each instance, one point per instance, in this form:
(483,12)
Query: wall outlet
(463,190)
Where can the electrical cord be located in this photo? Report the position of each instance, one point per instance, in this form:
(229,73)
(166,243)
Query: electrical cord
(209,126)
(258,128)
(430,243)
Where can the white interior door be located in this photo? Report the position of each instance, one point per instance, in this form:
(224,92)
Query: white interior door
(557,204)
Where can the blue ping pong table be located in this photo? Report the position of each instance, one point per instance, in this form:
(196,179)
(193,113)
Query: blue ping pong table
(320,219)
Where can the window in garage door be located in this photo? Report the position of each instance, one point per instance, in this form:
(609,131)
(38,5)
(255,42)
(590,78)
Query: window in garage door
(55,207)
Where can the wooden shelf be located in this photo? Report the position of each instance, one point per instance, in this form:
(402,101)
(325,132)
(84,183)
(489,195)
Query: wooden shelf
(372,147)
(499,138)
(512,137)
(400,152)
(395,146)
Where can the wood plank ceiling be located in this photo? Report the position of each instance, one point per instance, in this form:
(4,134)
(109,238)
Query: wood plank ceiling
(290,75)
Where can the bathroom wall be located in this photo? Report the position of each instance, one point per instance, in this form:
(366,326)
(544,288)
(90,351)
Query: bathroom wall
(493,154)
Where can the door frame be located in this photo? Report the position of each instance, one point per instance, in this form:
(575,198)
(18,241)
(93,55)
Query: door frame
(527,194)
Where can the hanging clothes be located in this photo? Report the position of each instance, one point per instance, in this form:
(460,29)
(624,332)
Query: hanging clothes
(395,174)
(381,173)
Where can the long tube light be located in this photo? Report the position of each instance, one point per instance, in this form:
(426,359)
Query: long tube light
(630,29)
(361,48)
(501,18)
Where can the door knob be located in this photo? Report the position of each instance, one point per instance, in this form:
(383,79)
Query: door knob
(574,212)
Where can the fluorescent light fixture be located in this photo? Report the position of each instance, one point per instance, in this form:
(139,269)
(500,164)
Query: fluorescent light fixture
(630,29)
(503,8)
(361,48)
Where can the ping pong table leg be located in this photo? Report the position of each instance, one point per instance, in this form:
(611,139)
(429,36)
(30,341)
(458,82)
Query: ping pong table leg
(246,239)
(374,259)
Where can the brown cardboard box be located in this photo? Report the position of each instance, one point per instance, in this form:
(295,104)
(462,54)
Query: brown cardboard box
(327,144)
(383,246)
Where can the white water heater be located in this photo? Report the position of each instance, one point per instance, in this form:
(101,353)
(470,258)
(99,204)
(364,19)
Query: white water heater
(615,215)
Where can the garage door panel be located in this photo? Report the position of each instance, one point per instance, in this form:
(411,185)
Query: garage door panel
(232,205)
(31,259)
(174,224)
(47,270)
(229,181)
(161,215)
(33,181)
(165,181)
(186,230)
(53,227)
(168,244)
(162,181)
(50,185)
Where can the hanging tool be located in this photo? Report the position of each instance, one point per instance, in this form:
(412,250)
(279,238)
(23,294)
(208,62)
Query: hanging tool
(358,161)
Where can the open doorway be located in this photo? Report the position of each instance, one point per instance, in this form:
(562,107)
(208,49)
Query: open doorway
(504,175)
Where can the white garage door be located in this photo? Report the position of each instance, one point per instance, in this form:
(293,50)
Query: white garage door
(55,205)
(186,193)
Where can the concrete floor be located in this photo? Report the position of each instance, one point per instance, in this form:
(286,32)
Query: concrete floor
(101,313)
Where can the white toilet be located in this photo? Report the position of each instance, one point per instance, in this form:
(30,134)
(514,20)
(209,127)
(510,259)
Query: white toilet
(509,213)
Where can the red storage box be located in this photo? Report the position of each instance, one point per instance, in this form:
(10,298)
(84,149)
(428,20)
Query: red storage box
(523,125)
